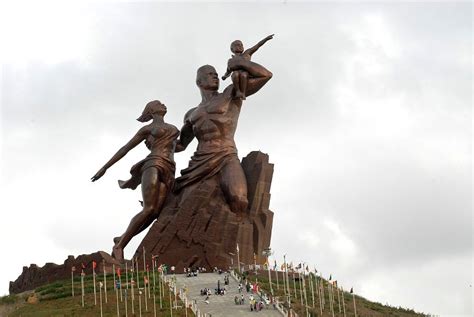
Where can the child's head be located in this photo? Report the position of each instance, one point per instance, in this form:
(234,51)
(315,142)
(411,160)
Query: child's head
(236,47)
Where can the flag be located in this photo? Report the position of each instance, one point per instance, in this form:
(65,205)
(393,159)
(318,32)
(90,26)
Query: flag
(275,266)
(237,247)
(118,271)
(83,266)
(117,284)
(307,268)
(282,267)
(94,265)
(145,279)
(352,291)
(330,276)
(101,284)
(73,269)
(147,268)
(299,266)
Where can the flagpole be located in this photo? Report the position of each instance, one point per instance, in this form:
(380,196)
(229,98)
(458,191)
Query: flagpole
(126,302)
(82,287)
(105,281)
(160,277)
(301,287)
(287,282)
(120,286)
(148,277)
(338,299)
(311,285)
(116,292)
(131,287)
(331,300)
(353,298)
(138,277)
(126,275)
(72,280)
(140,301)
(343,304)
(276,273)
(144,284)
(321,291)
(267,252)
(305,295)
(100,298)
(238,259)
(93,280)
(294,283)
(154,285)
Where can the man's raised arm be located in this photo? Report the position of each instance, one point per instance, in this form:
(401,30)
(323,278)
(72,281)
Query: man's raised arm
(258,75)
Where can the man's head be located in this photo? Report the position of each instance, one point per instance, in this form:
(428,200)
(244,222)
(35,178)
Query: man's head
(207,78)
(236,47)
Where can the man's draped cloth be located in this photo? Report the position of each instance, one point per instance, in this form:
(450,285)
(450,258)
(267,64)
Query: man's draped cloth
(204,165)
(165,166)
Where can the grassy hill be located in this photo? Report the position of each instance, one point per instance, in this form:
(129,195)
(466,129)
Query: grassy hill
(364,307)
(56,299)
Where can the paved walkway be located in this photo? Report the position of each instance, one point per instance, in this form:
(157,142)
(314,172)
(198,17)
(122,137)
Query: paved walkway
(219,305)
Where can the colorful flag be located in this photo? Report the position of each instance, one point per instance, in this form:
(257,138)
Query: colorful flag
(118,271)
(94,265)
(83,266)
(73,269)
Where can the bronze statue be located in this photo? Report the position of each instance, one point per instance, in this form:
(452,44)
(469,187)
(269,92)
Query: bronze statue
(213,122)
(155,173)
(240,76)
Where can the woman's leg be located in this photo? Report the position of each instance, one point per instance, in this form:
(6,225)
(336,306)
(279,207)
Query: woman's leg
(151,198)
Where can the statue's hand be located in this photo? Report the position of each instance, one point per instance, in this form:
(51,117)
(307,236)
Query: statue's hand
(98,175)
(269,37)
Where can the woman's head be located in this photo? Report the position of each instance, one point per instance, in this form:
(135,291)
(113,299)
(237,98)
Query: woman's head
(153,107)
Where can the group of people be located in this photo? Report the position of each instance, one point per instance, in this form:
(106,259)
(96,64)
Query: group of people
(256,305)
(190,272)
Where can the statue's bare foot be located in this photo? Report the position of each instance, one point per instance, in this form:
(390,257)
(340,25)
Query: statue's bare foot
(117,253)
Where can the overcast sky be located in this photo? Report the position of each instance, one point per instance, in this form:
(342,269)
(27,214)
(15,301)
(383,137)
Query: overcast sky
(367,119)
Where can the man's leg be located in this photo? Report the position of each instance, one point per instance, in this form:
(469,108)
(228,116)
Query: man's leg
(234,185)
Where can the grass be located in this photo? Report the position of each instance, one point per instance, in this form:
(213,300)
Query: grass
(364,307)
(56,299)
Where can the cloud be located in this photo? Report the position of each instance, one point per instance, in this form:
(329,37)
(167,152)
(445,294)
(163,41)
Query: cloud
(367,120)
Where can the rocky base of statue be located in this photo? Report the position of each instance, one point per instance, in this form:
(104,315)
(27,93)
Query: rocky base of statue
(35,276)
(196,227)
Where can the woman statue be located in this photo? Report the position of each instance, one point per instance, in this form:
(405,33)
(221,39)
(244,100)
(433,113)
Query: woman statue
(155,173)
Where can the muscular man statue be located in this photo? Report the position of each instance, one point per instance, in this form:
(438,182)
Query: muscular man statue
(213,122)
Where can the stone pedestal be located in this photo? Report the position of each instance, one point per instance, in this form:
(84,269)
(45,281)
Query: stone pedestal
(197,228)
